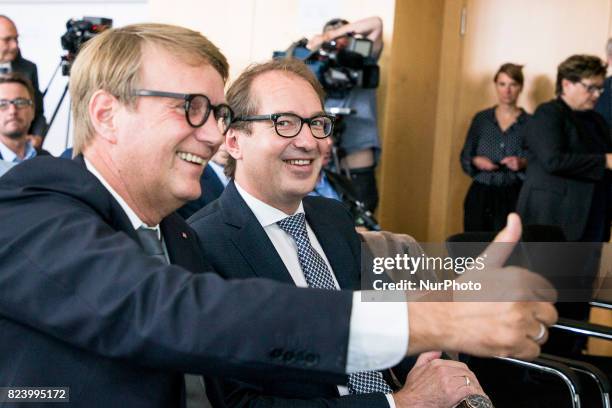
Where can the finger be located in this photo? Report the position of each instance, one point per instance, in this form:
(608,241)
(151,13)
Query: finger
(500,249)
(545,313)
(452,364)
(537,332)
(526,350)
(425,358)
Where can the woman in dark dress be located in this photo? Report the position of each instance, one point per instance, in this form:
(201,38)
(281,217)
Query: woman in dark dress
(493,155)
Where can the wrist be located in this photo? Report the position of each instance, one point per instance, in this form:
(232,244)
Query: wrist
(425,332)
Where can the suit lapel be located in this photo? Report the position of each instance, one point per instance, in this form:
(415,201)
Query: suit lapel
(335,245)
(178,238)
(250,239)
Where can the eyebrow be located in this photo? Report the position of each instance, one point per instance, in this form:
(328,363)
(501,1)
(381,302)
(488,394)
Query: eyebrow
(318,113)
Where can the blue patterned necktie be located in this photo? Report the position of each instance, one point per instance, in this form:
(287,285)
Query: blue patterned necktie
(319,276)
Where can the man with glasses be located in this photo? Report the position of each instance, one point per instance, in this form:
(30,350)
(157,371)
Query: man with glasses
(265,225)
(12,61)
(102,285)
(16,114)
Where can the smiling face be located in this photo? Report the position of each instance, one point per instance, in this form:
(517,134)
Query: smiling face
(277,170)
(157,156)
(508,90)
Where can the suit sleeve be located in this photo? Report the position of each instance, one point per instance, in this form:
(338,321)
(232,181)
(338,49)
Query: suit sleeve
(469,149)
(242,395)
(548,141)
(75,278)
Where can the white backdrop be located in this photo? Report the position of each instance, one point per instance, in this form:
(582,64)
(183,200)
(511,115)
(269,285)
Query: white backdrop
(41,24)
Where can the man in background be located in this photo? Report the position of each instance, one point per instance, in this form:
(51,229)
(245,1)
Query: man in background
(11,60)
(359,144)
(17,108)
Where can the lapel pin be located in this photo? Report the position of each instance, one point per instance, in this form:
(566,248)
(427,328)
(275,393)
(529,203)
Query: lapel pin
(184,235)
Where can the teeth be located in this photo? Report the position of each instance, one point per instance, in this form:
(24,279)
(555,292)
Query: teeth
(192,158)
(299,162)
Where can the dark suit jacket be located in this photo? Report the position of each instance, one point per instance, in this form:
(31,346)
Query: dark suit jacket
(238,247)
(604,103)
(28,69)
(562,171)
(83,306)
(211,187)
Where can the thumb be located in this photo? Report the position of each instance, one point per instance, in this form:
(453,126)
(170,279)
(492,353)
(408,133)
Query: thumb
(498,252)
(425,358)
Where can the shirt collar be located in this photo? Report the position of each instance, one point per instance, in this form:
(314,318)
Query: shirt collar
(265,214)
(10,156)
(134,219)
(5,67)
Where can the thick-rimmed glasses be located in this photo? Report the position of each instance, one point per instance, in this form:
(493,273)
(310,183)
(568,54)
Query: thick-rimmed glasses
(197,108)
(19,103)
(290,124)
(592,88)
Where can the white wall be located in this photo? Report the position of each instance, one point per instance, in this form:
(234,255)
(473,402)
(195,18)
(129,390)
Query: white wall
(41,24)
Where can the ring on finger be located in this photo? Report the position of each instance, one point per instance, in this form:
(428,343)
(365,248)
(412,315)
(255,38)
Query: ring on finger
(541,334)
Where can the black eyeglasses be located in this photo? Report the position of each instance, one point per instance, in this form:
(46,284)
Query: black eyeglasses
(197,108)
(290,124)
(19,103)
(592,88)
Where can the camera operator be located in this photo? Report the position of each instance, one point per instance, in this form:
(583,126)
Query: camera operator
(360,142)
(12,61)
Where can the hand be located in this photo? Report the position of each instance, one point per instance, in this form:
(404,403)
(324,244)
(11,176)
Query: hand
(433,382)
(316,41)
(484,163)
(496,328)
(609,161)
(514,163)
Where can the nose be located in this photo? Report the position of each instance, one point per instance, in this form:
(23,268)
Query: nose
(305,139)
(11,108)
(209,133)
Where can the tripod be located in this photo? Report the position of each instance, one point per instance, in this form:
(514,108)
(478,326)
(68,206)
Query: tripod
(61,64)
(340,177)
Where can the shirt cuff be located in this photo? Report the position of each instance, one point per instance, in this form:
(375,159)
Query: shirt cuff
(390,400)
(378,337)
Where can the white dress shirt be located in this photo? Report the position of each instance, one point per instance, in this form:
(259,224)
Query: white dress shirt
(286,248)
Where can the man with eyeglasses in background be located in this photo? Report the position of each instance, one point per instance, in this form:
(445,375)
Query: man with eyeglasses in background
(11,60)
(16,115)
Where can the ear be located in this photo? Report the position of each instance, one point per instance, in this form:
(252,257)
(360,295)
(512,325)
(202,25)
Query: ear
(102,110)
(565,83)
(232,143)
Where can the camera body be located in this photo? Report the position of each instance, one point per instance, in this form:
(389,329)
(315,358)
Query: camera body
(340,64)
(77,33)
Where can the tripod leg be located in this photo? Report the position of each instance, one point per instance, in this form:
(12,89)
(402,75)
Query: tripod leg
(57,107)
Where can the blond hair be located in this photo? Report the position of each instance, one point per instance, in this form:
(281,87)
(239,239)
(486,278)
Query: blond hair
(112,60)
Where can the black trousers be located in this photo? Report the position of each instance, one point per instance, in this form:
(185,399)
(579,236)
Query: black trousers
(486,207)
